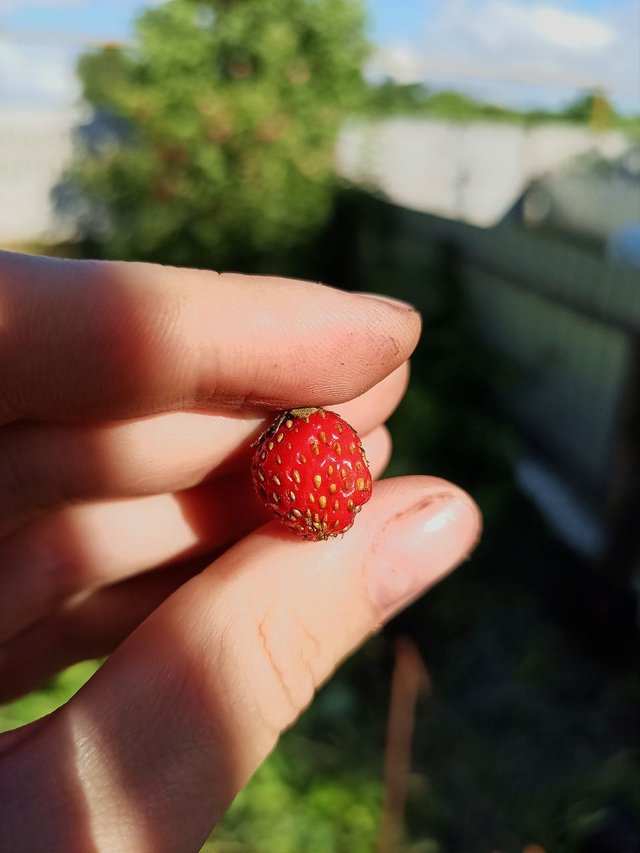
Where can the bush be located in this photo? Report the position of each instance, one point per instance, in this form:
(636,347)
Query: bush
(214,134)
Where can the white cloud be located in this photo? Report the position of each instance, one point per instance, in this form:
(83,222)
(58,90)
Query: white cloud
(501,23)
(570,30)
(536,50)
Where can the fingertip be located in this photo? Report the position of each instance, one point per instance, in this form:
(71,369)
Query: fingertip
(405,316)
(399,304)
(400,320)
(421,529)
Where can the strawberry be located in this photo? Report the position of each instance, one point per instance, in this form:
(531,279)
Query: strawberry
(310,470)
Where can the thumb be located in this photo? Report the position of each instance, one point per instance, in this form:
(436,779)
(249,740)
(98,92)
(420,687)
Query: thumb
(154,748)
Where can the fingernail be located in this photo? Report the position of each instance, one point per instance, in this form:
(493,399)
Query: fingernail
(390,300)
(418,546)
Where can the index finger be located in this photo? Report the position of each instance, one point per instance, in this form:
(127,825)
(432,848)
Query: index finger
(114,340)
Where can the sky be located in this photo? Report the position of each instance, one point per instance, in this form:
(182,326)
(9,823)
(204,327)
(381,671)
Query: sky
(522,53)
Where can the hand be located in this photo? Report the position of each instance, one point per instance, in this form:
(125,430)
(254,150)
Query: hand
(129,396)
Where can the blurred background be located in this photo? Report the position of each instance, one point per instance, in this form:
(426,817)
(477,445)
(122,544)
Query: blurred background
(480,158)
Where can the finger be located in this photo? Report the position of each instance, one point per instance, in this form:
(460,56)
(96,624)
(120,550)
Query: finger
(93,545)
(115,340)
(44,466)
(88,627)
(195,699)
(92,626)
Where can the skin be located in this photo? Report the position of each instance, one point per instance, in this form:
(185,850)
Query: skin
(129,396)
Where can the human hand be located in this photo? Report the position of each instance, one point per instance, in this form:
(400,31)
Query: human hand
(129,395)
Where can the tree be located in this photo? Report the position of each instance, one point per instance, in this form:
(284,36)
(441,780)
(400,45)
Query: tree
(589,108)
(226,116)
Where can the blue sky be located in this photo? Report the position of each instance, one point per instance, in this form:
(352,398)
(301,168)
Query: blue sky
(526,52)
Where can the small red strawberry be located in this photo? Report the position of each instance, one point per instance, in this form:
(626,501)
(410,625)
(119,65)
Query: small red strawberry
(310,470)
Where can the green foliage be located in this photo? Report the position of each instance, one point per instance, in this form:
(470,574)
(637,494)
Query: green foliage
(288,806)
(321,791)
(228,116)
(389,98)
(581,109)
(44,701)
(594,109)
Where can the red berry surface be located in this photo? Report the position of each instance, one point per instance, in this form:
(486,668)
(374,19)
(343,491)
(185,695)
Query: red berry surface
(310,470)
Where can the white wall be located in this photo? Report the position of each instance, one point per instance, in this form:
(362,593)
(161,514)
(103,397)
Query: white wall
(473,172)
(34,149)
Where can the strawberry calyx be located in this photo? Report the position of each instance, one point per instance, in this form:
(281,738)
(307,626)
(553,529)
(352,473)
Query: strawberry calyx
(304,413)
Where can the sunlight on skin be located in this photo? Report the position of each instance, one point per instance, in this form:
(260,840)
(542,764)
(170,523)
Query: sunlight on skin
(153,749)
(98,544)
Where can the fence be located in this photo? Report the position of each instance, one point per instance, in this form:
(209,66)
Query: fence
(572,323)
